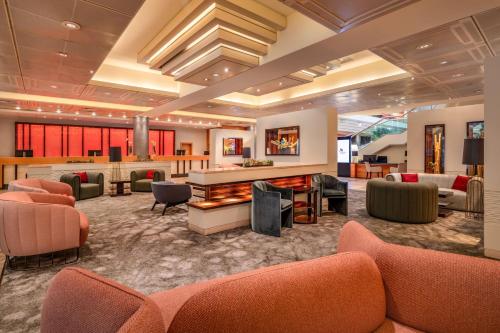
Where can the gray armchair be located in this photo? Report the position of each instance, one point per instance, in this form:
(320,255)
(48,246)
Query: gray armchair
(170,194)
(140,183)
(94,187)
(334,190)
(272,208)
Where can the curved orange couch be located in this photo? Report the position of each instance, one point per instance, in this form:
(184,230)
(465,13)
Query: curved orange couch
(40,185)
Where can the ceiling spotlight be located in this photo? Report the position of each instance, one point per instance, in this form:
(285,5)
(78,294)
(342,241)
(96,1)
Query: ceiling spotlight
(18,107)
(107,93)
(457,75)
(70,25)
(444,62)
(91,71)
(53,86)
(110,115)
(206,79)
(226,70)
(93,114)
(62,54)
(215,74)
(77,113)
(280,84)
(169,120)
(180,120)
(424,46)
(124,116)
(58,111)
(210,123)
(412,78)
(157,119)
(39,109)
(379,94)
(258,90)
(199,122)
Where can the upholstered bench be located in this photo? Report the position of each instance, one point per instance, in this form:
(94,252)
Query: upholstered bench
(402,202)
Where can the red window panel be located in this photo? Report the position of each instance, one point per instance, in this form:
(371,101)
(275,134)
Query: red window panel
(118,138)
(20,137)
(26,136)
(53,140)
(168,142)
(154,142)
(75,141)
(105,141)
(37,140)
(91,139)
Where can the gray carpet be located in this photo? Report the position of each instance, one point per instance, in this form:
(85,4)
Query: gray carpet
(148,252)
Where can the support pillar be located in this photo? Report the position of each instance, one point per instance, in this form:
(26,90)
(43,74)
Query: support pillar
(141,137)
(492,158)
(332,118)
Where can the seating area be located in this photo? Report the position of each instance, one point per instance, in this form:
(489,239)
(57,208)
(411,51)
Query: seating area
(256,166)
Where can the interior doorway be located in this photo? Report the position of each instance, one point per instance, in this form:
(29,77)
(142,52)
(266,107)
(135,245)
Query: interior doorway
(187,147)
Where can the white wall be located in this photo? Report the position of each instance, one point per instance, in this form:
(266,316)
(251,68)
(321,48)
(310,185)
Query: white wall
(217,149)
(313,135)
(455,120)
(198,137)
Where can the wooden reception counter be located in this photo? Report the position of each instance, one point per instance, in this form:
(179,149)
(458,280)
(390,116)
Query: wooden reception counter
(358,170)
(227,192)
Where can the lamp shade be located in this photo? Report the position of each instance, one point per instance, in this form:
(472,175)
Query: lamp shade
(473,152)
(115,154)
(247,152)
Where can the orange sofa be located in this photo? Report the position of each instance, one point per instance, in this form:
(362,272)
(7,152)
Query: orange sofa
(40,185)
(34,223)
(371,287)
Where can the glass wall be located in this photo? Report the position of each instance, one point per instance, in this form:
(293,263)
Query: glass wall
(49,140)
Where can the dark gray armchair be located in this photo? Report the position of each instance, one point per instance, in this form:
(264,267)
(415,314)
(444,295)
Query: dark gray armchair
(272,208)
(334,190)
(139,181)
(170,194)
(92,189)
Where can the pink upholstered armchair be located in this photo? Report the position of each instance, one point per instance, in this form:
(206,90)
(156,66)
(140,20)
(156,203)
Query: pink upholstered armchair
(36,223)
(40,185)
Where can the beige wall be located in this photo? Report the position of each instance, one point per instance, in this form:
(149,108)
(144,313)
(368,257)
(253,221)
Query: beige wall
(7,136)
(216,148)
(455,120)
(395,154)
(313,135)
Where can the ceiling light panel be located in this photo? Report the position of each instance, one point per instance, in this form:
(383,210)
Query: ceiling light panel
(237,31)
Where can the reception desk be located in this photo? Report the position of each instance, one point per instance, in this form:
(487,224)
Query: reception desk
(227,193)
(358,170)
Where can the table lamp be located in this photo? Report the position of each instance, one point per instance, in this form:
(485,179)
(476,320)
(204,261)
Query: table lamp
(115,157)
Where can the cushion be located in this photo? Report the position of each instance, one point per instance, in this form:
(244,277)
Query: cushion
(84,178)
(460,183)
(409,178)
(285,203)
(150,174)
(331,193)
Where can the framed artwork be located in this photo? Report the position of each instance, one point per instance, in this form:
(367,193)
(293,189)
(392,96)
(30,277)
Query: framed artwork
(283,141)
(434,148)
(475,129)
(232,146)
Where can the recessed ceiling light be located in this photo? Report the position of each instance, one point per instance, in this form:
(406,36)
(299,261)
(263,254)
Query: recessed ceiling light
(200,122)
(70,25)
(226,70)
(93,114)
(209,106)
(302,108)
(107,93)
(157,119)
(75,118)
(310,103)
(424,46)
(180,120)
(190,121)
(169,120)
(110,115)
(478,91)
(151,99)
(39,109)
(77,113)
(215,74)
(412,78)
(210,123)
(444,62)
(18,107)
(91,71)
(379,94)
(206,79)
(58,111)
(62,54)
(457,75)
(258,90)
(53,86)
(124,116)
(280,84)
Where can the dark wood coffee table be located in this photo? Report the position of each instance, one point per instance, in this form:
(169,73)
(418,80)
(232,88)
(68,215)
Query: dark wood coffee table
(119,188)
(442,210)
(305,212)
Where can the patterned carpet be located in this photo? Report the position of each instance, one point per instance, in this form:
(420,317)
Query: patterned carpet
(148,252)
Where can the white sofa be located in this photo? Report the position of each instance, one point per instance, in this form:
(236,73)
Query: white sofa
(460,200)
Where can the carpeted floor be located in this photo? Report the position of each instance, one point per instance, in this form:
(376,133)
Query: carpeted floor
(148,252)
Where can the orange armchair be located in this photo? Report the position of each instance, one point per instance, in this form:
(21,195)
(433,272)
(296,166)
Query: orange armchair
(36,223)
(40,185)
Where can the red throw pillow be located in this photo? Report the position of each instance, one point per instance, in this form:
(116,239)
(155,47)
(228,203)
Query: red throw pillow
(150,174)
(84,178)
(409,177)
(460,183)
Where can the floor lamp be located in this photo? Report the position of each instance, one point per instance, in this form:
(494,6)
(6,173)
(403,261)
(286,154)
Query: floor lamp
(474,155)
(115,157)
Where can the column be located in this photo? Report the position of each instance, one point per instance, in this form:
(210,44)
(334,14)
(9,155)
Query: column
(492,158)
(332,118)
(141,137)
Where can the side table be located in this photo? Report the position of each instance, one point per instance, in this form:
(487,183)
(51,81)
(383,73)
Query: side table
(306,212)
(119,188)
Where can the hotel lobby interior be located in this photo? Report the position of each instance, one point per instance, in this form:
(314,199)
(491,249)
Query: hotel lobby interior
(249,166)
